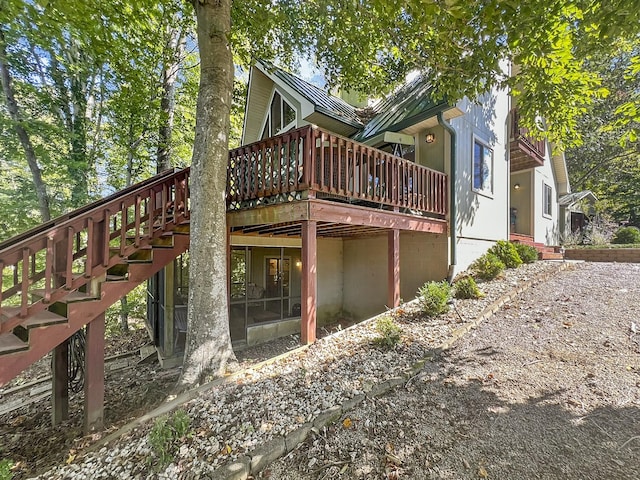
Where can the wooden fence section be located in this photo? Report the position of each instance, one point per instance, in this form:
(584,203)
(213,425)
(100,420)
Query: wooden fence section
(65,254)
(321,163)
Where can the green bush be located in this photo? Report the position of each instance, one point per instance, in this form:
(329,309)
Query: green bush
(466,287)
(626,235)
(487,267)
(507,253)
(164,436)
(434,297)
(5,469)
(527,253)
(389,332)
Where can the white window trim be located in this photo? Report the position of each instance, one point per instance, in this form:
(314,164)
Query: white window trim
(545,185)
(485,193)
(267,115)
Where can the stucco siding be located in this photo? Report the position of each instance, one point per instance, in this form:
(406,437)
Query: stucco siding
(330,279)
(546,226)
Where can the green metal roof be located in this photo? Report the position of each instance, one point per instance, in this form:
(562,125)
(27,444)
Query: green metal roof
(409,105)
(323,102)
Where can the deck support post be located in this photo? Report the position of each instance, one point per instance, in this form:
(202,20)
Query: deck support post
(309,282)
(60,383)
(168,316)
(393,268)
(94,375)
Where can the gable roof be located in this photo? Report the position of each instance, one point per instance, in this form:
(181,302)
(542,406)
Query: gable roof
(322,101)
(407,106)
(572,198)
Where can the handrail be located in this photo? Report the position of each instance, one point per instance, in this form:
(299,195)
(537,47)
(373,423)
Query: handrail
(66,253)
(320,162)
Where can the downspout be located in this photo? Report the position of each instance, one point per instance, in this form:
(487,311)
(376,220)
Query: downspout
(452,194)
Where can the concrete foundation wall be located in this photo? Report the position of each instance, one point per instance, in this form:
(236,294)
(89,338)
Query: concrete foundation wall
(423,257)
(330,279)
(365,276)
(469,250)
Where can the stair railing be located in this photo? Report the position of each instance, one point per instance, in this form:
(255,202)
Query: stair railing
(43,265)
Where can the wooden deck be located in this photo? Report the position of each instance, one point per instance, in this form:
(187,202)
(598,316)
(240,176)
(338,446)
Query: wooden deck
(312,163)
(525,151)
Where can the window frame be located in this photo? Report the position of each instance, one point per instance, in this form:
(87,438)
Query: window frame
(486,190)
(547,200)
(267,124)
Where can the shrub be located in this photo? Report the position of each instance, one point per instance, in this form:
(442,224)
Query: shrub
(164,436)
(507,253)
(467,287)
(434,298)
(626,235)
(5,469)
(487,267)
(527,253)
(389,332)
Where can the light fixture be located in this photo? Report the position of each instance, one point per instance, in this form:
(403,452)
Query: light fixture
(517,186)
(430,138)
(298,264)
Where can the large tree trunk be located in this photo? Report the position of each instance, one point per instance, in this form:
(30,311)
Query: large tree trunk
(208,345)
(23,136)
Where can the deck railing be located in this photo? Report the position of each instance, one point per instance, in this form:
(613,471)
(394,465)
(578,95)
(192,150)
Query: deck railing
(521,134)
(66,253)
(320,163)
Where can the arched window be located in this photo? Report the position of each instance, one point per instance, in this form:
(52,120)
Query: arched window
(280,117)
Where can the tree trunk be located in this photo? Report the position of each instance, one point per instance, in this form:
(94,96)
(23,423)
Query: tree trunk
(25,140)
(124,314)
(173,51)
(208,345)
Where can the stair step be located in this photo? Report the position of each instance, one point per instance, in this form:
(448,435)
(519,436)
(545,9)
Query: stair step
(141,256)
(9,343)
(40,319)
(116,278)
(71,297)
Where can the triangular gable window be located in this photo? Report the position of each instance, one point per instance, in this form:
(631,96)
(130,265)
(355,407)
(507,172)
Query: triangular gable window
(281,117)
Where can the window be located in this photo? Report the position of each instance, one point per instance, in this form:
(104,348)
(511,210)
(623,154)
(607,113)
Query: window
(546,200)
(280,117)
(482,168)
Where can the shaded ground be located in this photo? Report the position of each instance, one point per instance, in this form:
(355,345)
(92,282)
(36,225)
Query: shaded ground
(548,388)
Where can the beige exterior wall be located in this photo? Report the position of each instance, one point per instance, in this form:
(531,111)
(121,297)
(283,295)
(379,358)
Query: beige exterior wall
(423,257)
(521,199)
(330,279)
(365,276)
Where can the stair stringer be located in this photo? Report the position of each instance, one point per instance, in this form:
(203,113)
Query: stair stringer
(44,339)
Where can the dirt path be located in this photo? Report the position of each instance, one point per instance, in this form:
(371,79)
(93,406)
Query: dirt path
(548,388)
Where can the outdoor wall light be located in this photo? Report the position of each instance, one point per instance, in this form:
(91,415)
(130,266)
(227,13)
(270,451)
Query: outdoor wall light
(430,138)
(517,186)
(299,264)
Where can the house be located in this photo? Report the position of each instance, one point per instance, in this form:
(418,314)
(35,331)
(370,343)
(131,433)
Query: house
(335,210)
(362,205)
(575,211)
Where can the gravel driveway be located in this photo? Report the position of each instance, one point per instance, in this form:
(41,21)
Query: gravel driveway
(548,388)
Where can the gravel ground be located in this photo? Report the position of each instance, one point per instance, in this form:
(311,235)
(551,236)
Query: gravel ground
(547,388)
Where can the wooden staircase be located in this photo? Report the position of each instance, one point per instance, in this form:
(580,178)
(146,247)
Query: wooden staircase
(60,276)
(545,252)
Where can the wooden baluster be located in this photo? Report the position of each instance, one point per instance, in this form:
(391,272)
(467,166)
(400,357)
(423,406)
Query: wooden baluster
(187,207)
(88,266)
(48,270)
(165,201)
(25,282)
(124,221)
(107,238)
(69,259)
(136,235)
